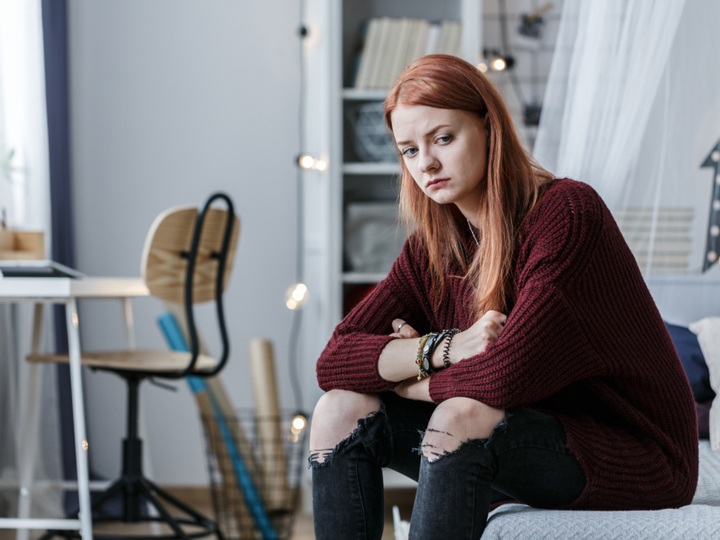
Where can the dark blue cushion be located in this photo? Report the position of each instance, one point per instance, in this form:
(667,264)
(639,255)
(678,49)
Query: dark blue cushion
(688,349)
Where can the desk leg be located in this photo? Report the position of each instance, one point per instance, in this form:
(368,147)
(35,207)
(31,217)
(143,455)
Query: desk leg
(71,315)
(30,422)
(129,324)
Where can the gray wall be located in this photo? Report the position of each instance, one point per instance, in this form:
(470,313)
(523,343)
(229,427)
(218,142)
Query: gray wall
(171,100)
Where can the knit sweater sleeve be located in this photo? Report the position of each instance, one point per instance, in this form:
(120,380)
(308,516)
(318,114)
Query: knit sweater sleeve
(543,347)
(349,361)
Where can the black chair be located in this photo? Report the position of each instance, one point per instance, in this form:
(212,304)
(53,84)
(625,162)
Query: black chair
(186,260)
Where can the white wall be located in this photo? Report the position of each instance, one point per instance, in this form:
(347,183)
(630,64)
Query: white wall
(171,100)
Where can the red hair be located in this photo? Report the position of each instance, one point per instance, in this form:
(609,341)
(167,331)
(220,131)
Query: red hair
(512,185)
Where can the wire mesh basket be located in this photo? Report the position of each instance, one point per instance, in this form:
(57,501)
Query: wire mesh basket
(255,466)
(371,138)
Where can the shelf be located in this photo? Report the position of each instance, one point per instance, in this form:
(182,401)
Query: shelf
(372,168)
(364,94)
(361,277)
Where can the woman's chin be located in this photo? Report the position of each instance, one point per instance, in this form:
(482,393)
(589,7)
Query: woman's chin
(442,197)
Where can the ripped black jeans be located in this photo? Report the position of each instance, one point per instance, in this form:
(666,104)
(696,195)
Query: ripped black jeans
(525,459)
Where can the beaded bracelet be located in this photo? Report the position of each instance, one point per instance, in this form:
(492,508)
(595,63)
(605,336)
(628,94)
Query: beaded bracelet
(446,352)
(424,372)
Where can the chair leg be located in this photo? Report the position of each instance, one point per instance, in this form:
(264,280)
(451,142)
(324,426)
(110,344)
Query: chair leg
(167,518)
(136,490)
(150,486)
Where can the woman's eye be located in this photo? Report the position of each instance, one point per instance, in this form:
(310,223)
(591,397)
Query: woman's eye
(409,152)
(445,139)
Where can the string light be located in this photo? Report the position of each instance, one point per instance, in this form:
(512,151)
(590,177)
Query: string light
(296,296)
(499,64)
(308,162)
(483,67)
(299,422)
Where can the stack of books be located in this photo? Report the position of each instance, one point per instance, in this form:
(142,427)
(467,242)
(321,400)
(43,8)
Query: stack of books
(391,44)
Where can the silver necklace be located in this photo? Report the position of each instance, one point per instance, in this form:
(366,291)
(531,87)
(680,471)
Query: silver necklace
(472,232)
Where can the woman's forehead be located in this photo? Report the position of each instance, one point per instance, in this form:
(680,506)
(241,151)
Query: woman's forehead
(414,120)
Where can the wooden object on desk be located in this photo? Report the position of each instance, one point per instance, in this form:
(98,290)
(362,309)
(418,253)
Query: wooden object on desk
(21,245)
(269,424)
(164,271)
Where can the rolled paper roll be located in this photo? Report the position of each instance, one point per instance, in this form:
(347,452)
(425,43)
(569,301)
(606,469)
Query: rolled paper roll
(269,425)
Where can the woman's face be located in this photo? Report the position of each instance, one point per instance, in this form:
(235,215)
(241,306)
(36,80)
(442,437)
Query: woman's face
(445,151)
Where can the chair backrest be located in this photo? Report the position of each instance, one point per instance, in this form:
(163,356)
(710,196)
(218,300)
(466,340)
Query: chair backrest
(182,242)
(165,254)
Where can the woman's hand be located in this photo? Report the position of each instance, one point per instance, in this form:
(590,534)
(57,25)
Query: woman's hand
(414,389)
(406,331)
(475,339)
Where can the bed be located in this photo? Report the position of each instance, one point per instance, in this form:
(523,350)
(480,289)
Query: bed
(699,520)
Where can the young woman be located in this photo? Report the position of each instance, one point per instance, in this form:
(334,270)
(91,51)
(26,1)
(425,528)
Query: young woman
(548,376)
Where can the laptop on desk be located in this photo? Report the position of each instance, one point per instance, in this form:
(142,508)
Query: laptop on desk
(42,269)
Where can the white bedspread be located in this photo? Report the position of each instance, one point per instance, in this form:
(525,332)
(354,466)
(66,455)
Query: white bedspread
(698,521)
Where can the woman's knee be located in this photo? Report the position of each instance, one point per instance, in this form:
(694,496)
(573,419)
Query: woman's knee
(457,420)
(336,415)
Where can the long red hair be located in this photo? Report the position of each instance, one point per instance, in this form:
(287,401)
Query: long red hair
(512,185)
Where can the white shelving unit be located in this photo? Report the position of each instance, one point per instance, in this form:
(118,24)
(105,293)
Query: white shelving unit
(330,48)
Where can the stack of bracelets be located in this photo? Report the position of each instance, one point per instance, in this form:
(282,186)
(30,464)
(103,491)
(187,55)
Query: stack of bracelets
(428,344)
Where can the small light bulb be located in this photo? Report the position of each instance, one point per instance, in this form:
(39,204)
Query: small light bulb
(715,156)
(712,256)
(320,165)
(298,423)
(299,292)
(306,162)
(483,67)
(716,205)
(714,230)
(499,64)
(296,295)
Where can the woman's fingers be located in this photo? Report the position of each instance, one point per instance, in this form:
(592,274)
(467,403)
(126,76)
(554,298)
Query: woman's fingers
(493,317)
(475,339)
(403,330)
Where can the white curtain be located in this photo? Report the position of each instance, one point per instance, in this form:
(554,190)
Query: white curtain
(24,197)
(632,108)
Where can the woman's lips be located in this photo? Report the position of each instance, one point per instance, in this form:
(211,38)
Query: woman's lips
(437,184)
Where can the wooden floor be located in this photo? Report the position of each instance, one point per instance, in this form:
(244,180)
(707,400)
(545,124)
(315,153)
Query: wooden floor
(199,499)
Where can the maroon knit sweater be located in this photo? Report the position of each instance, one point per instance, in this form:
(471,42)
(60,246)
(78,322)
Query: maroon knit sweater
(584,342)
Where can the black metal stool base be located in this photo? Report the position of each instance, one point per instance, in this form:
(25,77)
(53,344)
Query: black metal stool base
(136,491)
(142,489)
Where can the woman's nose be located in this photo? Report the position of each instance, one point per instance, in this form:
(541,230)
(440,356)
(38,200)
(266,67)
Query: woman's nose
(428,162)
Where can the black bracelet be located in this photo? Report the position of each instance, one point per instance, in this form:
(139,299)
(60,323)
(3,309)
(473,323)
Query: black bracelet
(446,351)
(427,352)
(432,344)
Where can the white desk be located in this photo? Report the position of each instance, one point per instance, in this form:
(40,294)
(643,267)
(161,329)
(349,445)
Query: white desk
(61,291)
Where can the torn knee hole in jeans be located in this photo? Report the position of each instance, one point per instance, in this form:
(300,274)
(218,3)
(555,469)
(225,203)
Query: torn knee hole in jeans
(440,444)
(323,457)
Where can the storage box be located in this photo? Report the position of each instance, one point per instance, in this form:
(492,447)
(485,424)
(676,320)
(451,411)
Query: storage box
(21,245)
